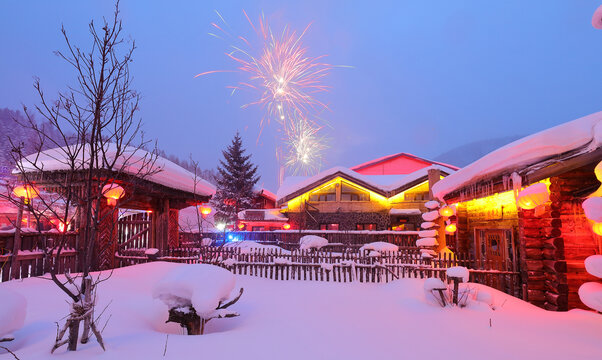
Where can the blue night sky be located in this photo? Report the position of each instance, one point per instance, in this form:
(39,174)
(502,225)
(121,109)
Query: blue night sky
(427,76)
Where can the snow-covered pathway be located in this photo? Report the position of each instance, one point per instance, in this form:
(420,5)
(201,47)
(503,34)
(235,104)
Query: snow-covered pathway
(311,320)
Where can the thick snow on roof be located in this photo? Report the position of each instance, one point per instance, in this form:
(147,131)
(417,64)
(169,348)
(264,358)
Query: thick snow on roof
(401,154)
(268,214)
(133,161)
(385,183)
(405,212)
(584,133)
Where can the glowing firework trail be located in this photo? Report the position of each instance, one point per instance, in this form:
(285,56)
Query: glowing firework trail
(282,71)
(305,147)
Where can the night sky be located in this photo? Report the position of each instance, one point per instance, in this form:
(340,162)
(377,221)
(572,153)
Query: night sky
(426,76)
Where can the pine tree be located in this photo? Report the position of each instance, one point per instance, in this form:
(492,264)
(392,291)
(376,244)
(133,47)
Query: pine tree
(237,177)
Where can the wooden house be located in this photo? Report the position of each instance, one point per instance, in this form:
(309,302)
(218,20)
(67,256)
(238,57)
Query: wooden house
(522,204)
(388,196)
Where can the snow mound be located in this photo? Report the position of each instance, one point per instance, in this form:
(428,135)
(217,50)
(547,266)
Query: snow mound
(429,241)
(12,311)
(484,296)
(327,266)
(312,242)
(431,215)
(151,251)
(380,246)
(206,241)
(458,272)
(593,265)
(201,285)
(590,294)
(432,205)
(282,261)
(593,208)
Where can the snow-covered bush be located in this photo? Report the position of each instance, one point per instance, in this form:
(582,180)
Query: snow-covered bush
(590,293)
(312,242)
(206,241)
(12,313)
(195,294)
(379,246)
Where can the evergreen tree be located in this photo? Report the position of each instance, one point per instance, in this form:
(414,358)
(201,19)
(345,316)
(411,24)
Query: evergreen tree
(237,177)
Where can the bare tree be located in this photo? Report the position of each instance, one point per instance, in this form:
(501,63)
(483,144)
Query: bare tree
(96,143)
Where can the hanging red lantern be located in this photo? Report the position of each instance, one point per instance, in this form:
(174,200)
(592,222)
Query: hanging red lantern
(112,192)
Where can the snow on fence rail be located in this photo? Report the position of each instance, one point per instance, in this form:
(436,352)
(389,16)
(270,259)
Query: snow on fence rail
(30,258)
(289,239)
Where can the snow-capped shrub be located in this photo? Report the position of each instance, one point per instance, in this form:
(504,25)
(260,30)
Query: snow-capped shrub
(379,246)
(12,311)
(429,241)
(206,241)
(312,242)
(201,285)
(458,272)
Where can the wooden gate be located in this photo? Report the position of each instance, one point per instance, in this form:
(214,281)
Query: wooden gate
(135,230)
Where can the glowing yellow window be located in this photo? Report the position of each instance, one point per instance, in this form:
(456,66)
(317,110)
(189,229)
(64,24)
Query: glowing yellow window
(329,193)
(351,193)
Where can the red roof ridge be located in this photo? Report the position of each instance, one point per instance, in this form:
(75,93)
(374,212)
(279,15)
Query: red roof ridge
(393,156)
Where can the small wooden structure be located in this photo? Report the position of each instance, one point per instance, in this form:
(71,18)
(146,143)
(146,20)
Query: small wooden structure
(160,194)
(549,243)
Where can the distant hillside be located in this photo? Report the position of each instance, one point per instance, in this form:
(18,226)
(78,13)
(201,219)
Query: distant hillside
(467,153)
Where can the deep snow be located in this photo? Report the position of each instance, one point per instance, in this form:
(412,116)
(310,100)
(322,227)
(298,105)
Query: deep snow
(310,320)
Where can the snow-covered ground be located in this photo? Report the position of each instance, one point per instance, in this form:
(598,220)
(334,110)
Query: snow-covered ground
(309,320)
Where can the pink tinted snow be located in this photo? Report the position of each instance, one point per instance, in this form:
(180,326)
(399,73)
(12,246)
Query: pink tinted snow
(379,246)
(458,272)
(13,307)
(429,241)
(590,294)
(312,242)
(584,133)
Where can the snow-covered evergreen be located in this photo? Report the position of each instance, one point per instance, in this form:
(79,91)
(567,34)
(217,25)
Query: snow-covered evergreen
(237,176)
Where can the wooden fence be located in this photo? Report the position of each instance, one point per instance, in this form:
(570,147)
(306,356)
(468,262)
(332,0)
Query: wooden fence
(31,259)
(347,266)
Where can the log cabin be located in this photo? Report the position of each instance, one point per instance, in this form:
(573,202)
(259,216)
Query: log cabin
(522,204)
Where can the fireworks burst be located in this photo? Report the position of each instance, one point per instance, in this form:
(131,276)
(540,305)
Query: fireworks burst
(304,147)
(287,80)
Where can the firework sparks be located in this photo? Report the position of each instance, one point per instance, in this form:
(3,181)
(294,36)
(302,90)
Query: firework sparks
(304,146)
(287,80)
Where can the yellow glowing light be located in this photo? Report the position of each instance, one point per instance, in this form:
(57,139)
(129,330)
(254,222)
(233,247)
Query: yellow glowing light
(597,227)
(286,226)
(27,192)
(205,210)
(446,211)
(451,228)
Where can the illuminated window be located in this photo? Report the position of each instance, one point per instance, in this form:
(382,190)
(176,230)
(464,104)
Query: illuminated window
(328,193)
(351,193)
(366,226)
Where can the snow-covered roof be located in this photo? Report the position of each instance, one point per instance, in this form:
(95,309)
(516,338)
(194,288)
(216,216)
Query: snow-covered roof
(398,155)
(583,135)
(383,184)
(132,161)
(262,214)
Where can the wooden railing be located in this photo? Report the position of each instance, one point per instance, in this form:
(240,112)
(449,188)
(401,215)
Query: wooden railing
(31,259)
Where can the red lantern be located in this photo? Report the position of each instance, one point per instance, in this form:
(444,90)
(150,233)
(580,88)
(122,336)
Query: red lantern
(205,210)
(113,192)
(446,211)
